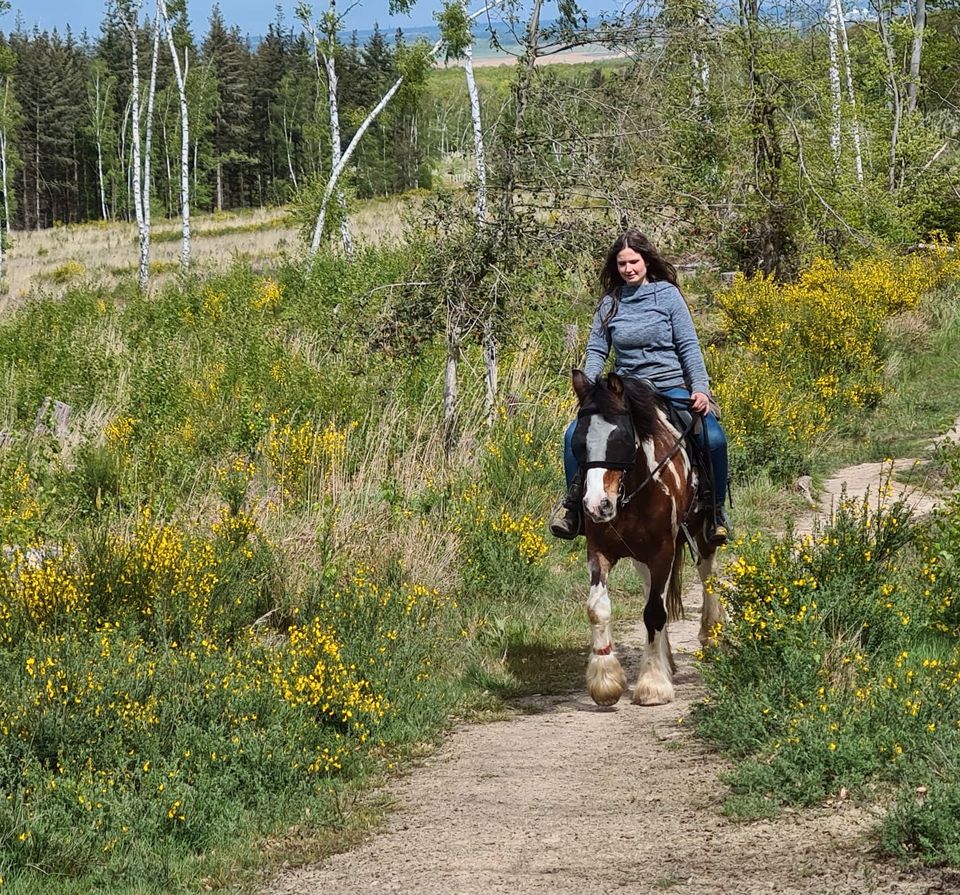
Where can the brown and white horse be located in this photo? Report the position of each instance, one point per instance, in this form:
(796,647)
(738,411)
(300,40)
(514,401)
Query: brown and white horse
(639,491)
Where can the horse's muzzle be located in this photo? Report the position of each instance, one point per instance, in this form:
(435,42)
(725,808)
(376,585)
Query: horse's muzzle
(604,511)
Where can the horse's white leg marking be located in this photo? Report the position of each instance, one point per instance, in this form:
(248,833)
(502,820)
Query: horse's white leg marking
(598,611)
(710,615)
(655,683)
(605,678)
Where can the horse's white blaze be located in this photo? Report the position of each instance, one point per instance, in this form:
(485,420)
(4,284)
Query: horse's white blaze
(598,434)
(593,491)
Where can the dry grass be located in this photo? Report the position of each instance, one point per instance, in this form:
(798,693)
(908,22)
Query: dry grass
(106,253)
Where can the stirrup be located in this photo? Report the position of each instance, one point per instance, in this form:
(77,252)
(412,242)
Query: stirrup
(717,529)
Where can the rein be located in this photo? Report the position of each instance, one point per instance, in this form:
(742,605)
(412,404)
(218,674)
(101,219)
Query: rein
(677,444)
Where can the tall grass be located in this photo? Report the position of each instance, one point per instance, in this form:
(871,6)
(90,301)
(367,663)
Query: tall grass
(250,574)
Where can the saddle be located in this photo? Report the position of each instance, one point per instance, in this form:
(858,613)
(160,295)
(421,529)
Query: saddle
(690,424)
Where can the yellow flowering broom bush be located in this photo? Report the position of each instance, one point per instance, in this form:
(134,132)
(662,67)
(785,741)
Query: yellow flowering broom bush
(801,356)
(155,686)
(839,661)
(503,526)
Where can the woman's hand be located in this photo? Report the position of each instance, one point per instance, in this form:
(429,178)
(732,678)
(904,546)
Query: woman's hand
(700,402)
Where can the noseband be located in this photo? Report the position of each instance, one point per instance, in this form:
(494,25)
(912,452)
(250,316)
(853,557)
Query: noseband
(622,463)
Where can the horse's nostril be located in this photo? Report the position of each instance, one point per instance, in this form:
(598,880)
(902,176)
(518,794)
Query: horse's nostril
(605,505)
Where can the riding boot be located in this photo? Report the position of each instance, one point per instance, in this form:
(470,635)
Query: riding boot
(566,521)
(718,529)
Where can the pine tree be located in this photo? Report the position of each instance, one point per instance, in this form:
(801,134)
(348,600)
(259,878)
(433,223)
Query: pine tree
(229,55)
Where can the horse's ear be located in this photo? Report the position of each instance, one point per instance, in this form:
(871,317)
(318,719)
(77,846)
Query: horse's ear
(615,384)
(581,385)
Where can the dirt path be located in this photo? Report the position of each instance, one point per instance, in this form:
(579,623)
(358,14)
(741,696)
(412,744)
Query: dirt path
(569,798)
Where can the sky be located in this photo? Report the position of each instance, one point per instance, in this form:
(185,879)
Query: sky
(252,16)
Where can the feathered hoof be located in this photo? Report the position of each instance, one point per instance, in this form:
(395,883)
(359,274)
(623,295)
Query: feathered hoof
(605,679)
(653,688)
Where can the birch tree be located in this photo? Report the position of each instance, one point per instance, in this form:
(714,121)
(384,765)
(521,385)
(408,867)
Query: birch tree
(454,24)
(181,71)
(913,75)
(841,24)
(836,93)
(100,105)
(896,97)
(325,45)
(129,14)
(413,64)
(9,123)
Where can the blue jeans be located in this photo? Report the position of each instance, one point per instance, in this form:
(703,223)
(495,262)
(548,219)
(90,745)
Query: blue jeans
(715,435)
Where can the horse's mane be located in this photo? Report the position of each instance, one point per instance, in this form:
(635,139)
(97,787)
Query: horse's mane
(644,404)
(641,400)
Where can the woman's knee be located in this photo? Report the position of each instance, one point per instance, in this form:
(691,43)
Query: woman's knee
(715,434)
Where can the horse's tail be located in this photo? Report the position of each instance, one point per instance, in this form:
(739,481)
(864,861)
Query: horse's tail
(675,588)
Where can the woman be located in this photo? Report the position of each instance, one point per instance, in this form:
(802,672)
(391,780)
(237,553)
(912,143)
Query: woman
(643,317)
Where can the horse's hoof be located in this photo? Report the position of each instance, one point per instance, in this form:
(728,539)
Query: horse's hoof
(652,699)
(657,690)
(605,679)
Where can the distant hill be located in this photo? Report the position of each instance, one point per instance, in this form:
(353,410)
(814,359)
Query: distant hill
(482,50)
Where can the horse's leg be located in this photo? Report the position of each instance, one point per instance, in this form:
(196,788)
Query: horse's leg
(711,614)
(605,678)
(655,683)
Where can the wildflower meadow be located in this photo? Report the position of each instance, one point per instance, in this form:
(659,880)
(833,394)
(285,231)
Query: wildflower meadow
(251,571)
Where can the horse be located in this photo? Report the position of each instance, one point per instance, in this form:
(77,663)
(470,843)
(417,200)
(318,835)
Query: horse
(639,502)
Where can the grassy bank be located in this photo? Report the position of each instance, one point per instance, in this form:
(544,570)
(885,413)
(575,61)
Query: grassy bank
(838,666)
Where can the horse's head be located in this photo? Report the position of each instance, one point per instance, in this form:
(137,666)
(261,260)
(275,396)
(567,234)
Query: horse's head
(604,442)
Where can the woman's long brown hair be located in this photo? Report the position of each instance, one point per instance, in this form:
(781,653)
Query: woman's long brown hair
(658,268)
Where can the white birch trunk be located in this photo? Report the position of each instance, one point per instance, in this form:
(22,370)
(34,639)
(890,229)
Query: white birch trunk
(338,170)
(6,212)
(98,116)
(348,152)
(490,347)
(143,277)
(895,98)
(180,73)
(330,63)
(5,173)
(454,350)
(5,230)
(286,142)
(478,148)
(331,24)
(135,168)
(122,156)
(836,95)
(700,64)
(851,96)
(913,82)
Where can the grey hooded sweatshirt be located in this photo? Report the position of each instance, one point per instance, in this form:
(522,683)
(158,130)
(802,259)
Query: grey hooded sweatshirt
(652,336)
